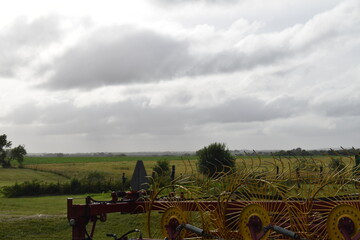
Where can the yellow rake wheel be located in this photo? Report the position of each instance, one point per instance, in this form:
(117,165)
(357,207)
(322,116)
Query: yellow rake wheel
(343,216)
(170,219)
(253,212)
(256,200)
(172,197)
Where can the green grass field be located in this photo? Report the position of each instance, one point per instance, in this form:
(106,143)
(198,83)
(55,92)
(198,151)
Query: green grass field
(110,169)
(45,218)
(9,176)
(51,160)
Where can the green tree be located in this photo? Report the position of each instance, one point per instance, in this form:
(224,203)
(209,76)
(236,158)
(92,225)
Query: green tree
(162,167)
(18,153)
(4,147)
(215,159)
(7,154)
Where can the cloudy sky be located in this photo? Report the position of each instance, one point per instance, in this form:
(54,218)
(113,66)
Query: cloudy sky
(160,75)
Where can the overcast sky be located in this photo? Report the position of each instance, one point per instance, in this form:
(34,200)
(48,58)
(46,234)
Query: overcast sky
(160,75)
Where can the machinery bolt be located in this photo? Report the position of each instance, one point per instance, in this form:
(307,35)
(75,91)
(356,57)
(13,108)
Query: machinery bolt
(72,222)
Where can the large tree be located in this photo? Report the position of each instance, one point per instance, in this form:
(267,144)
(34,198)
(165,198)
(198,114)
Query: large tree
(7,154)
(215,159)
(18,153)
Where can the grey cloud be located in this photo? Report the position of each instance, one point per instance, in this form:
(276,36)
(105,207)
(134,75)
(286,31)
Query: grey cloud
(133,117)
(248,109)
(21,41)
(125,55)
(121,118)
(120,55)
(134,123)
(230,61)
(340,107)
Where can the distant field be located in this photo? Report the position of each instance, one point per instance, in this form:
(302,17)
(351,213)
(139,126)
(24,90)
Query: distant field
(111,169)
(50,160)
(9,176)
(59,169)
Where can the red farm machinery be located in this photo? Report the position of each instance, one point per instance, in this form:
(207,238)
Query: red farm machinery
(280,199)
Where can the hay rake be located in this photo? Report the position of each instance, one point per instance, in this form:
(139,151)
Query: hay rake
(299,198)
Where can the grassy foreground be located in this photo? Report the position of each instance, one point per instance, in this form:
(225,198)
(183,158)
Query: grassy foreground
(45,218)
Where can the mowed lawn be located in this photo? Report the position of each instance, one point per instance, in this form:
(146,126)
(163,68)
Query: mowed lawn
(45,218)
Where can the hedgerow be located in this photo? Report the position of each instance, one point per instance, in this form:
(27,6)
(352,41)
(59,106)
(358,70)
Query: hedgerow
(93,183)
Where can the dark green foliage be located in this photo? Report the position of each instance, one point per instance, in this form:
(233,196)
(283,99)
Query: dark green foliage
(293,152)
(162,172)
(215,159)
(95,177)
(93,183)
(356,168)
(336,164)
(18,154)
(4,145)
(162,167)
(7,154)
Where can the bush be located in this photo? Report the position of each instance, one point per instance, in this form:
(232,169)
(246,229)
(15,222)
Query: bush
(95,177)
(336,164)
(162,173)
(92,183)
(162,167)
(215,160)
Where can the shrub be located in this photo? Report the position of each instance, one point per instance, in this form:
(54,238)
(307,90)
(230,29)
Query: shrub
(93,183)
(162,167)
(95,177)
(215,159)
(336,164)
(162,173)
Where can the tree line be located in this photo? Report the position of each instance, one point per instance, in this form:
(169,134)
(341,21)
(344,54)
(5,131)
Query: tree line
(330,152)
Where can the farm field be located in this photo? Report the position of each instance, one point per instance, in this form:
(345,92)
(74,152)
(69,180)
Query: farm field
(9,176)
(44,217)
(111,167)
(49,160)
(59,169)
(112,170)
